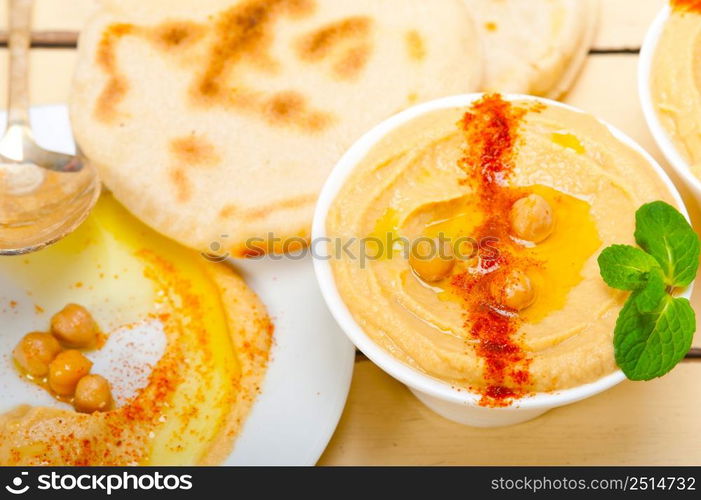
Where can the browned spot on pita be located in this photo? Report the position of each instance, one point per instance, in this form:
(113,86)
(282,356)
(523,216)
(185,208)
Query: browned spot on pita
(491,26)
(243,33)
(317,45)
(299,9)
(288,204)
(344,44)
(251,214)
(176,35)
(240,35)
(168,36)
(350,64)
(257,246)
(112,94)
(291,108)
(415,45)
(181,183)
(194,150)
(227,211)
(105,51)
(117,84)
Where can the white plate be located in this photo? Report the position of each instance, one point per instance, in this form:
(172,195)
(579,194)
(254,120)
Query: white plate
(309,375)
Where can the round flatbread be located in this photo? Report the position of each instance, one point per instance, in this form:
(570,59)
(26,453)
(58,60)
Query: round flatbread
(534,46)
(216,122)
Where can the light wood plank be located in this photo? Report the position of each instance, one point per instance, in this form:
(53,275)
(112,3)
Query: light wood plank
(55,14)
(620,25)
(51,75)
(634,423)
(623,23)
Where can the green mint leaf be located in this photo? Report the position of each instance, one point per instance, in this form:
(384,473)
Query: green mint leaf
(649,344)
(665,234)
(626,267)
(651,294)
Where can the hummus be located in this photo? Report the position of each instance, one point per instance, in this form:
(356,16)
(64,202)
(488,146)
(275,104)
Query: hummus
(194,398)
(675,84)
(420,181)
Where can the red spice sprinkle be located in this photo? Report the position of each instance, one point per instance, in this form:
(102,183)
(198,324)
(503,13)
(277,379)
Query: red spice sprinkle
(686,5)
(252,253)
(490,129)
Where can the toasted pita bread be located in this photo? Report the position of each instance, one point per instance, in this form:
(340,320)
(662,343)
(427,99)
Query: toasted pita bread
(217,121)
(534,46)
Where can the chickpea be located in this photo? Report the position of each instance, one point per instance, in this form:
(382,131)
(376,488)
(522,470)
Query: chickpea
(514,290)
(35,351)
(532,218)
(66,370)
(74,326)
(432,260)
(92,394)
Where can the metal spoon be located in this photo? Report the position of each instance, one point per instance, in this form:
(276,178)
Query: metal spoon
(43,195)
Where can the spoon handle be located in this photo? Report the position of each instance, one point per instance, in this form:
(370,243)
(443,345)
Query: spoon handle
(20,15)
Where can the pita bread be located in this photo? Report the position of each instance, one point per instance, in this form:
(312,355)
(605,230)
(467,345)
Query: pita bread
(217,121)
(534,46)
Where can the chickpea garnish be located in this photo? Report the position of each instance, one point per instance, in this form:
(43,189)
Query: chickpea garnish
(92,394)
(74,326)
(35,352)
(532,218)
(432,260)
(66,370)
(514,290)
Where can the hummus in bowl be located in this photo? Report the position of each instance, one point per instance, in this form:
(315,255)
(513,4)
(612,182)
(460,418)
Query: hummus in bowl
(670,89)
(461,244)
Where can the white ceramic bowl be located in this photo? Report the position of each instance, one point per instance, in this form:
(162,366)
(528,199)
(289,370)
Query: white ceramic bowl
(663,140)
(460,406)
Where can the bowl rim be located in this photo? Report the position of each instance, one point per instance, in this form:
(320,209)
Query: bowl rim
(390,364)
(659,134)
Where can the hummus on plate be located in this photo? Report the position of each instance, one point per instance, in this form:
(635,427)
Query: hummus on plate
(513,307)
(190,403)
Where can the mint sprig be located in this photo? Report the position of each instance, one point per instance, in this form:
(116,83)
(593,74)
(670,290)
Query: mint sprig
(626,267)
(650,344)
(665,234)
(654,329)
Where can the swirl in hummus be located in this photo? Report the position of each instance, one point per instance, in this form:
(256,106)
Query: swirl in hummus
(460,173)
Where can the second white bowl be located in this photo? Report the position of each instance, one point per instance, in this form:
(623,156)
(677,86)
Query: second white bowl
(663,140)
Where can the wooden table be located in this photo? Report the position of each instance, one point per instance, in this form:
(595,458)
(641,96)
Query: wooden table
(656,422)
